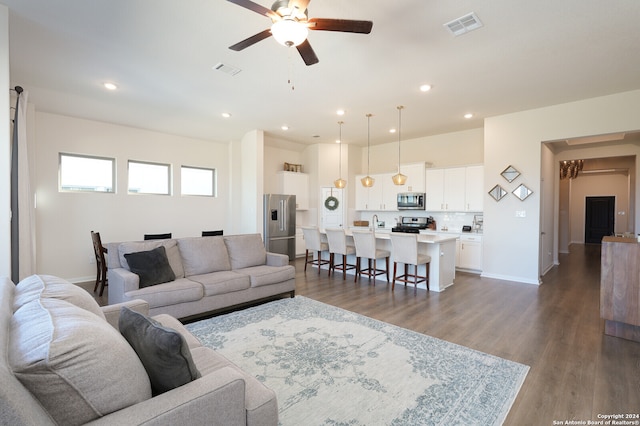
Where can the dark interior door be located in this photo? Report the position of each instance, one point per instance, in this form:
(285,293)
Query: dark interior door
(599,218)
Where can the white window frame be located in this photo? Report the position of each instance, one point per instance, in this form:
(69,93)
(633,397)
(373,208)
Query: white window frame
(214,182)
(142,191)
(93,188)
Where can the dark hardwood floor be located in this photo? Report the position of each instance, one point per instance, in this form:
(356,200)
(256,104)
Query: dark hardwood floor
(577,373)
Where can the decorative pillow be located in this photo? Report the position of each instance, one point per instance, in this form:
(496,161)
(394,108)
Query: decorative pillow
(151,266)
(171,246)
(48,286)
(164,352)
(77,365)
(203,255)
(246,250)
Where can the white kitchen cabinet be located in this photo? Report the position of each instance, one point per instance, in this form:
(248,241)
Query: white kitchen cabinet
(474,189)
(301,247)
(382,196)
(415,178)
(445,189)
(297,184)
(470,252)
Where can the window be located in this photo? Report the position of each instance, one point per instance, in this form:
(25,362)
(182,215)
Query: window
(149,178)
(86,173)
(198,181)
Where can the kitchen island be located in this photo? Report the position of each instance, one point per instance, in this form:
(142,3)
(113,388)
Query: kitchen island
(441,248)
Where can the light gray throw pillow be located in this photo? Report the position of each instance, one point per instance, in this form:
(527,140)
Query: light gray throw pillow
(245,250)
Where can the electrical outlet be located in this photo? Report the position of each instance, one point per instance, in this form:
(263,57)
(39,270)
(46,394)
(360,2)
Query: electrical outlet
(521,213)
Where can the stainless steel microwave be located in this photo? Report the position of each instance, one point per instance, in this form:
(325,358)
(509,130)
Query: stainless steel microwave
(411,200)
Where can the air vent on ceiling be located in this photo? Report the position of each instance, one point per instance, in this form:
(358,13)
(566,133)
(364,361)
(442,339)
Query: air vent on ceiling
(464,24)
(227,69)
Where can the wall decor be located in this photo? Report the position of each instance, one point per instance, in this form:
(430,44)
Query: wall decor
(510,174)
(498,192)
(522,192)
(288,167)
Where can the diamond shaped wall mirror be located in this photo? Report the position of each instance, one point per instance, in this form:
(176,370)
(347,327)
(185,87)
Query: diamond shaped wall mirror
(510,174)
(522,192)
(497,192)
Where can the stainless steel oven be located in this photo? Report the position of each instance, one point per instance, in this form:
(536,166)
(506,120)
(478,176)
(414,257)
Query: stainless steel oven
(411,200)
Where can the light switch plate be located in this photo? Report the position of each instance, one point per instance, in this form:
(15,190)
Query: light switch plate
(521,213)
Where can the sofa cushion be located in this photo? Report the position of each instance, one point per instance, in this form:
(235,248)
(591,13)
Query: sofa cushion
(163,351)
(266,275)
(171,246)
(151,266)
(179,291)
(245,250)
(76,364)
(203,255)
(48,286)
(222,282)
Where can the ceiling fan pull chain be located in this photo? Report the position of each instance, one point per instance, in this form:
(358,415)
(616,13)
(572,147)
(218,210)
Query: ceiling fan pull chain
(290,69)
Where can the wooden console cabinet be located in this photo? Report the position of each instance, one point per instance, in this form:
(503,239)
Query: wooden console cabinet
(620,287)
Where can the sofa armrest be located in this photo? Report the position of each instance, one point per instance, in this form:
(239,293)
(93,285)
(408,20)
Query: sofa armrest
(277,259)
(121,281)
(112,312)
(214,399)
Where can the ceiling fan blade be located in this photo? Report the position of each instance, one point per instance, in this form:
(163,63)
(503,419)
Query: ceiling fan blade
(298,4)
(251,40)
(343,25)
(248,4)
(308,55)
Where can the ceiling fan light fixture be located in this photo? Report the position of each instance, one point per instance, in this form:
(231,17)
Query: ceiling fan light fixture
(289,32)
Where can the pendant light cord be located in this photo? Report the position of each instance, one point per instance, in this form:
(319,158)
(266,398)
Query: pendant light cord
(368,142)
(400,107)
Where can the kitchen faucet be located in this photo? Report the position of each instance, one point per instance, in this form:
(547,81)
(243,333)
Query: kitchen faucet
(374,221)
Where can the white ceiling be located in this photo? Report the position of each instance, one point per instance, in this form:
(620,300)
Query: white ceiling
(160,53)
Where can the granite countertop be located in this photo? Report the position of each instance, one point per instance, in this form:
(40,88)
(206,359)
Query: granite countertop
(383,234)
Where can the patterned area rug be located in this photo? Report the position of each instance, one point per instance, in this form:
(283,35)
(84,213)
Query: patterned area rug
(329,366)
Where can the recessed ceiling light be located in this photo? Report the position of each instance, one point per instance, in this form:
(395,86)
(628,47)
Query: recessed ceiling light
(392,130)
(340,112)
(468,115)
(226,115)
(337,140)
(425,87)
(110,86)
(285,127)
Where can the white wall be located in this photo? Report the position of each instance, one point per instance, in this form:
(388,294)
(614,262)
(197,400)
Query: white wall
(5,147)
(65,219)
(511,244)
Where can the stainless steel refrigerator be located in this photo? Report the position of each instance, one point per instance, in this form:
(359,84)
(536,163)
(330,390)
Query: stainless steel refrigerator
(280,224)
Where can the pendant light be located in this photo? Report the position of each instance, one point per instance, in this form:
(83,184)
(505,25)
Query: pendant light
(368,181)
(399,178)
(340,183)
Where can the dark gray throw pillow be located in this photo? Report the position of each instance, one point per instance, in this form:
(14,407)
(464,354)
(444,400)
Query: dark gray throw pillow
(151,266)
(163,351)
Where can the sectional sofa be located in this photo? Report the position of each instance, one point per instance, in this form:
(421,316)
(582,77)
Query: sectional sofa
(204,274)
(64,360)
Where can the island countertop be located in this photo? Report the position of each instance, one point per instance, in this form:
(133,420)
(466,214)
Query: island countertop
(441,248)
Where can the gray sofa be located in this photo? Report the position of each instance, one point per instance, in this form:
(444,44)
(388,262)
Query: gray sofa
(63,361)
(211,274)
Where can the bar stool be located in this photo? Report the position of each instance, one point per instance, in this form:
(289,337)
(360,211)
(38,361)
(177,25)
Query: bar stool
(338,245)
(313,243)
(405,250)
(365,242)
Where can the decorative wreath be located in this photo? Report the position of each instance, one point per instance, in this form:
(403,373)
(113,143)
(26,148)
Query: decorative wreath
(331,203)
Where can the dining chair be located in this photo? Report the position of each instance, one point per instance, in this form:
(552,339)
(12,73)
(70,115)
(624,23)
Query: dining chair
(405,250)
(337,240)
(365,243)
(101,264)
(157,236)
(212,233)
(313,243)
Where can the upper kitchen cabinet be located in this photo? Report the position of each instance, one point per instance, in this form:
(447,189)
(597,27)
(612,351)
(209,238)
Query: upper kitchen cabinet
(415,178)
(382,196)
(297,184)
(474,189)
(445,189)
(455,189)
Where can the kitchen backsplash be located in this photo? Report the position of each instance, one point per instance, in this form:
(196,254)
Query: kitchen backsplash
(452,222)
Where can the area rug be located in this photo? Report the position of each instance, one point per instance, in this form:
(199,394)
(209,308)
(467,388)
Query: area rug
(329,366)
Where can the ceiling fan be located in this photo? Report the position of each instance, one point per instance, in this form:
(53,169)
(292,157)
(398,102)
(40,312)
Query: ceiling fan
(291,24)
